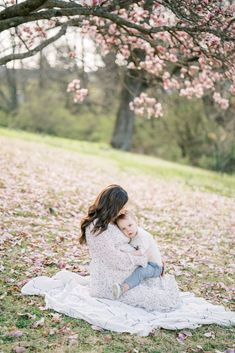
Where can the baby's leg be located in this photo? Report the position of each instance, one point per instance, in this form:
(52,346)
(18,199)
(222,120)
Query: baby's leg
(138,276)
(151,270)
(158,270)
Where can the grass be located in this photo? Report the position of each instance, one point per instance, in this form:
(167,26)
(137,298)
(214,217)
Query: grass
(68,335)
(191,176)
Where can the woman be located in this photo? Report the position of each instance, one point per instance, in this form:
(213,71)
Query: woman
(109,264)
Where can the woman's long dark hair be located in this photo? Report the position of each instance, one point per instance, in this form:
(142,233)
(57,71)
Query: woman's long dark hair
(105,209)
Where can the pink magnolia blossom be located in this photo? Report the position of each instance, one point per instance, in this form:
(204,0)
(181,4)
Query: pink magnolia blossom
(41,31)
(193,81)
(10,2)
(90,2)
(146,106)
(79,94)
(232,88)
(222,102)
(73,86)
(72,54)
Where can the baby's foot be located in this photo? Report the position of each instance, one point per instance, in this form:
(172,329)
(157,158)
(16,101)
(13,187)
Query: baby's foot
(117,290)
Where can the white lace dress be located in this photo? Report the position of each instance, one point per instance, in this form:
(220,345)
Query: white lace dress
(109,265)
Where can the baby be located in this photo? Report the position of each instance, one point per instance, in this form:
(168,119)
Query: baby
(143,243)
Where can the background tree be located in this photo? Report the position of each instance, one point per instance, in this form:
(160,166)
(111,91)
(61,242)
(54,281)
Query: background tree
(188,48)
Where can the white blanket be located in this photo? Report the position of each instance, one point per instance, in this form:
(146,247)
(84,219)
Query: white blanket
(68,293)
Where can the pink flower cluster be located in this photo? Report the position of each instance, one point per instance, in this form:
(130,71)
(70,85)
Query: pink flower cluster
(72,54)
(33,33)
(222,102)
(232,88)
(211,40)
(194,80)
(146,106)
(79,93)
(40,30)
(26,33)
(169,82)
(10,2)
(91,31)
(152,64)
(91,2)
(138,14)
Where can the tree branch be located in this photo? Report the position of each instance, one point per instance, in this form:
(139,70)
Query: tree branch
(35,10)
(22,9)
(102,13)
(35,50)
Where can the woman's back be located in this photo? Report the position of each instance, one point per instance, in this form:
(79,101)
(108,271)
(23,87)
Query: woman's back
(108,264)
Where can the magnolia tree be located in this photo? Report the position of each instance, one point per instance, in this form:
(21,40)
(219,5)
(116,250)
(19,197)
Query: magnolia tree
(185,45)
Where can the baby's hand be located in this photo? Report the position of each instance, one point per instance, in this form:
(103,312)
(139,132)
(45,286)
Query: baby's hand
(137,253)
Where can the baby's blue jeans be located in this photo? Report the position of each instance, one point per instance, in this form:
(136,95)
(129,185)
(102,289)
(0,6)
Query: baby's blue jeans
(151,270)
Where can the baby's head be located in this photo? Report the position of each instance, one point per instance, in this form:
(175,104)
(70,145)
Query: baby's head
(127,223)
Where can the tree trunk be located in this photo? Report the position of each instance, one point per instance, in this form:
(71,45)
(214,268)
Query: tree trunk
(44,71)
(132,86)
(12,85)
(223,142)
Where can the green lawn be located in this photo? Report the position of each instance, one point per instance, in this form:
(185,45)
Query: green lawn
(189,212)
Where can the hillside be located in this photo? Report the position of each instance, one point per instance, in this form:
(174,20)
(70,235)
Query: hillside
(46,185)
